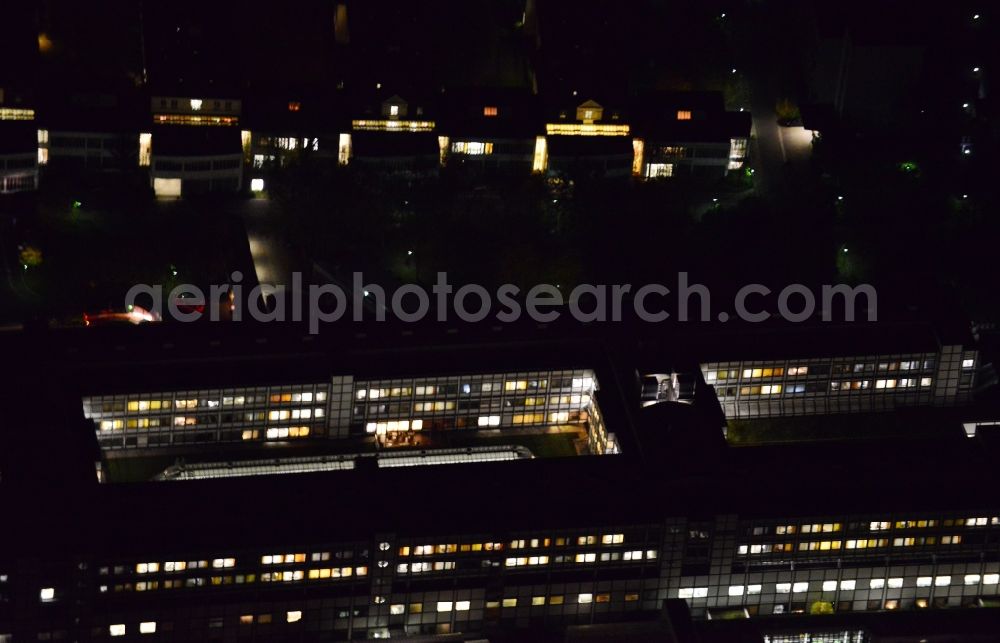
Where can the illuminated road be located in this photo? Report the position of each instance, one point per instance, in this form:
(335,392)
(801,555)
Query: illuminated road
(780,155)
(272,258)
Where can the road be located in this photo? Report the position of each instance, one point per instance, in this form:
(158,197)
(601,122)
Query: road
(779,154)
(272,258)
(765,48)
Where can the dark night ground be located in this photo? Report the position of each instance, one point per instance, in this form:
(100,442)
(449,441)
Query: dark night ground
(909,232)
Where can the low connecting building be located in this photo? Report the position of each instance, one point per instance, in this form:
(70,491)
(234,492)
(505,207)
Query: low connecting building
(91,131)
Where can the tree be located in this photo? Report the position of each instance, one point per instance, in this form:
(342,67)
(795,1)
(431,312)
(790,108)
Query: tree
(821,607)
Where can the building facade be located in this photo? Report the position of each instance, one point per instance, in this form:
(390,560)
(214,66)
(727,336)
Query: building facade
(194,146)
(850,384)
(19,156)
(345,407)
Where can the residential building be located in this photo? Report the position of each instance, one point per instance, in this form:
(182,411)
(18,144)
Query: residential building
(18,142)
(392,135)
(90,130)
(684,133)
(489,130)
(195,144)
(588,140)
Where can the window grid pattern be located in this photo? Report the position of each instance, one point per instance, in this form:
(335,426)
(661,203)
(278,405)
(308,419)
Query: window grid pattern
(467,581)
(223,415)
(769,388)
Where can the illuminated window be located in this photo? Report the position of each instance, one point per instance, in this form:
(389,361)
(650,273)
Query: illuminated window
(47,594)
(147,627)
(538,600)
(16,114)
(848,585)
(754,589)
(585,598)
(540,159)
(683,114)
(585,129)
(966,363)
(942,581)
(472,148)
(736,590)
(344,149)
(166,187)
(117,630)
(293,616)
(196,104)
(659,170)
(972,579)
(393,110)
(462,606)
(392,126)
(738,151)
(924,581)
(800,587)
(829,585)
(444,606)
(145,149)
(991,579)
(294,106)
(489,111)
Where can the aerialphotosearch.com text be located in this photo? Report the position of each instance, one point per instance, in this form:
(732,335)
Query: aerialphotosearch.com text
(319,304)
